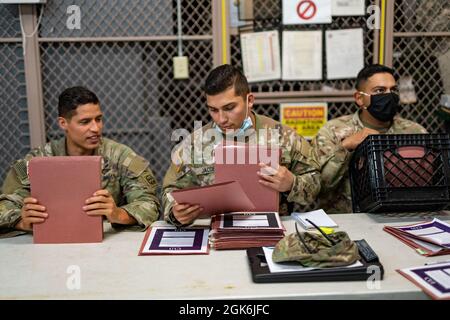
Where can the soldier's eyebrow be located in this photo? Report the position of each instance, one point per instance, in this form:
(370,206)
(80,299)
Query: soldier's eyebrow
(222,107)
(379,87)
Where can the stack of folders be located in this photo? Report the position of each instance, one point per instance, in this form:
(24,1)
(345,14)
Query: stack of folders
(242,230)
(430,238)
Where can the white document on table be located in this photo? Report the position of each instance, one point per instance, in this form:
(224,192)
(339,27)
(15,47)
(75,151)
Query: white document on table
(261,55)
(344,53)
(347,8)
(302,55)
(318,217)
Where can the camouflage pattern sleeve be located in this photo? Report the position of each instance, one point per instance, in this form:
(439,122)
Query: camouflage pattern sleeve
(182,174)
(16,188)
(177,177)
(139,185)
(306,184)
(331,156)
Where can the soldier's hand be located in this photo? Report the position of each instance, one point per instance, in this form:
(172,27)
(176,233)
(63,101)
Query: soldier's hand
(103,204)
(32,212)
(281,179)
(350,143)
(185,213)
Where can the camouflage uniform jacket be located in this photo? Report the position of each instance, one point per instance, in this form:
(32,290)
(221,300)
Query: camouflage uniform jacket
(125,175)
(335,195)
(295,156)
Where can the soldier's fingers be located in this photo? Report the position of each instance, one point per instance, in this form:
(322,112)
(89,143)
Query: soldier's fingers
(33,220)
(98,199)
(29,200)
(272,185)
(196,213)
(181,206)
(266,177)
(37,214)
(191,209)
(34,207)
(102,192)
(96,212)
(192,215)
(95,206)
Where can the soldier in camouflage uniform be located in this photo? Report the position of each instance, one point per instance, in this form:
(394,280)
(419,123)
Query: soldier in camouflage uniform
(230,102)
(128,194)
(377,98)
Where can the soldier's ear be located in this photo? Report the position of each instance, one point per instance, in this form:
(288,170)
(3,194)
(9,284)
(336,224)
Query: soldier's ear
(62,122)
(251,100)
(358,99)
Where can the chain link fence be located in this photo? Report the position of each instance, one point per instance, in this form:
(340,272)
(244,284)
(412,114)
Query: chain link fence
(15,141)
(416,53)
(134,81)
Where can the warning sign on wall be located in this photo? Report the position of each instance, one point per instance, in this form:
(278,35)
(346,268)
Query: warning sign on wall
(305,118)
(306,11)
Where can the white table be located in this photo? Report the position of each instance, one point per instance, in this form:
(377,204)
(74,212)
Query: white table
(113,270)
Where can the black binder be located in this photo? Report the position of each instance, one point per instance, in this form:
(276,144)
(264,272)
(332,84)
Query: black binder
(261,272)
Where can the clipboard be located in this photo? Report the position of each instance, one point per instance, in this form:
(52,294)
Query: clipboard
(261,273)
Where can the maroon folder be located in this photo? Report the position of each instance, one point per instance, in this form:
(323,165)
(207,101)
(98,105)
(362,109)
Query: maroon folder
(216,198)
(240,162)
(62,185)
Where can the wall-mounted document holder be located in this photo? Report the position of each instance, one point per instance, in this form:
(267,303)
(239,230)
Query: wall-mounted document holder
(261,273)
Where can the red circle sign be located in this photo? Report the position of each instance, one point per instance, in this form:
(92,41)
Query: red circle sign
(306,9)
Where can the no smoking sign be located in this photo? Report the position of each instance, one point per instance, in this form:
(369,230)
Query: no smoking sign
(306,11)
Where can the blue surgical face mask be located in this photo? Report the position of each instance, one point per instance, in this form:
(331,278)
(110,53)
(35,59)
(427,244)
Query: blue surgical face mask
(246,124)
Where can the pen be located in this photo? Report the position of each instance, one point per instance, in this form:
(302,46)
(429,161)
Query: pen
(320,230)
(437,262)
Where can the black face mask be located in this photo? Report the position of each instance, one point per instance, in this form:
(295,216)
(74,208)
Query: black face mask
(384,107)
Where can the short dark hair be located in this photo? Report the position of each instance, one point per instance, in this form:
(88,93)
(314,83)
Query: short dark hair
(369,71)
(70,99)
(224,77)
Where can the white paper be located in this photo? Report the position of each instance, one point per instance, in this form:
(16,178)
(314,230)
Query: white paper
(262,220)
(319,217)
(306,11)
(442,238)
(347,8)
(280,267)
(261,55)
(441,276)
(176,242)
(429,246)
(344,53)
(302,55)
(251,223)
(426,231)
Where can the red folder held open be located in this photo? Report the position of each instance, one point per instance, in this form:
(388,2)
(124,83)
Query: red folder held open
(240,162)
(216,198)
(62,185)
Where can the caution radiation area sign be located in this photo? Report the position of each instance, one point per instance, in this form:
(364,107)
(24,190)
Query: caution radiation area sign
(305,118)
(306,11)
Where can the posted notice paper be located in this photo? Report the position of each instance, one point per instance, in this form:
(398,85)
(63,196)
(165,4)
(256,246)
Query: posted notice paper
(302,55)
(347,7)
(261,55)
(344,53)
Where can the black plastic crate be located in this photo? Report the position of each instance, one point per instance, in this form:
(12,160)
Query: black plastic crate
(401,173)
